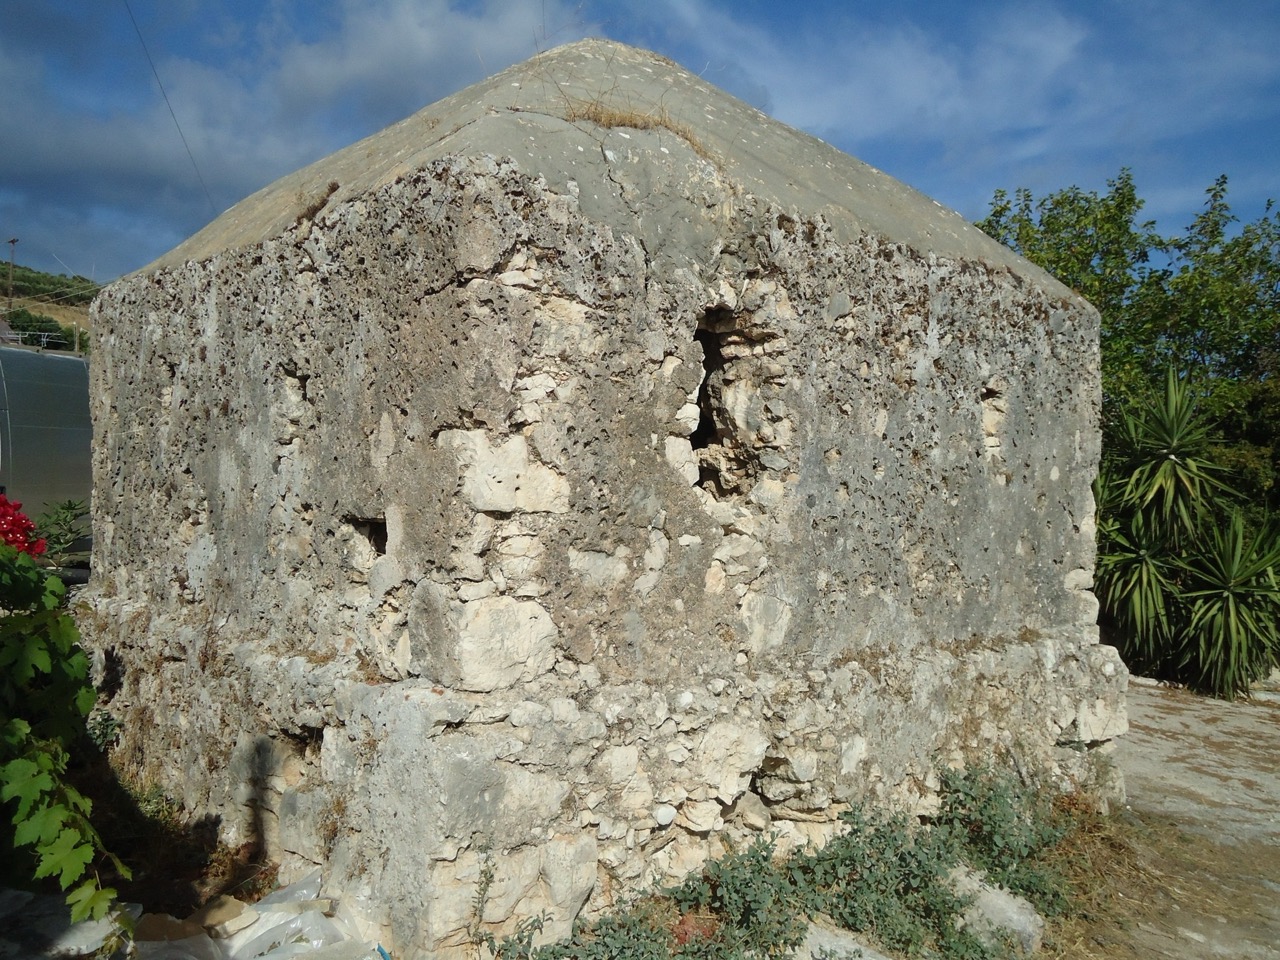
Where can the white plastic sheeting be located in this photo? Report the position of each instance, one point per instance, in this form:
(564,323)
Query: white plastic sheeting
(293,921)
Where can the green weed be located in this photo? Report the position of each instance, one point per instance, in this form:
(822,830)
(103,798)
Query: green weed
(64,529)
(1005,831)
(886,875)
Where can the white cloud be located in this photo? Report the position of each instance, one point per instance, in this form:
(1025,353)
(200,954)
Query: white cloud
(1031,79)
(376,63)
(857,81)
(399,55)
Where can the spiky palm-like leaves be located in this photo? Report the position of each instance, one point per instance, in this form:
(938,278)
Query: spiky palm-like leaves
(1171,475)
(1187,592)
(1137,590)
(1232,597)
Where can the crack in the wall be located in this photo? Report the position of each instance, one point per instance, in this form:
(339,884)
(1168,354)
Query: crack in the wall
(296,381)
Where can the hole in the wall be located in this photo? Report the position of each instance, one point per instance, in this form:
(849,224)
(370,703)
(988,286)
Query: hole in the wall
(708,431)
(306,741)
(711,430)
(107,672)
(299,378)
(728,461)
(373,529)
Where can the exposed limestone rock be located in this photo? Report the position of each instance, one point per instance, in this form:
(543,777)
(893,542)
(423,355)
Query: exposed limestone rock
(515,503)
(995,915)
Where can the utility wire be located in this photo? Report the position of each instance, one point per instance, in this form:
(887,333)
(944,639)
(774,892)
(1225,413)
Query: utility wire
(53,297)
(156,74)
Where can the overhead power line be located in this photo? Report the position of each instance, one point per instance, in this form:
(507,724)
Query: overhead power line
(195,166)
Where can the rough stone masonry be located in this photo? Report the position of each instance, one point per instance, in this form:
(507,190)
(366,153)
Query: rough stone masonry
(578,474)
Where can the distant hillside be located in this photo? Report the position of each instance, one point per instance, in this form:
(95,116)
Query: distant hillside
(45,305)
(48,287)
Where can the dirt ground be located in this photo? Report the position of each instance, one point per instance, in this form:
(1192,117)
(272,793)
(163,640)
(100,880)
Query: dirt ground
(1196,872)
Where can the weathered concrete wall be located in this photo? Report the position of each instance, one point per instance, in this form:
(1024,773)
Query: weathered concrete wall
(571,522)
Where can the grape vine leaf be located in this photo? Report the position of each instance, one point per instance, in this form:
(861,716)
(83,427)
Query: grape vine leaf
(41,826)
(68,856)
(25,781)
(89,902)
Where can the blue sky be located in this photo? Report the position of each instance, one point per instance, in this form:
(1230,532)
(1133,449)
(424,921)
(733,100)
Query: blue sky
(955,98)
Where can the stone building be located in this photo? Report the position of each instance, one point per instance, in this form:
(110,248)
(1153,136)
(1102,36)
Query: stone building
(578,472)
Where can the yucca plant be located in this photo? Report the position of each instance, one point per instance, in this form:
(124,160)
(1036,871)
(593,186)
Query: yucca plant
(1138,591)
(1232,596)
(1187,592)
(1169,472)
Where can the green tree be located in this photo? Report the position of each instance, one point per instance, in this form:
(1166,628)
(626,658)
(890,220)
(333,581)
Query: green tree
(36,329)
(1098,246)
(1221,303)
(37,285)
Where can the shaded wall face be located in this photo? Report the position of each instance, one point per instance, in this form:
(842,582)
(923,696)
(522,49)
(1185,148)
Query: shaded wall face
(478,512)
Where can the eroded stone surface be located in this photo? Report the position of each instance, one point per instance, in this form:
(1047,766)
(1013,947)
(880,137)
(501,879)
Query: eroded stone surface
(548,502)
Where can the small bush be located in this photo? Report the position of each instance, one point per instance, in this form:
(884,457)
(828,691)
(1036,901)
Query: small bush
(753,900)
(1005,831)
(886,876)
(45,698)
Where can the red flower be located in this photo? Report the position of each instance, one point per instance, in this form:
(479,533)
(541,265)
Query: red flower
(16,529)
